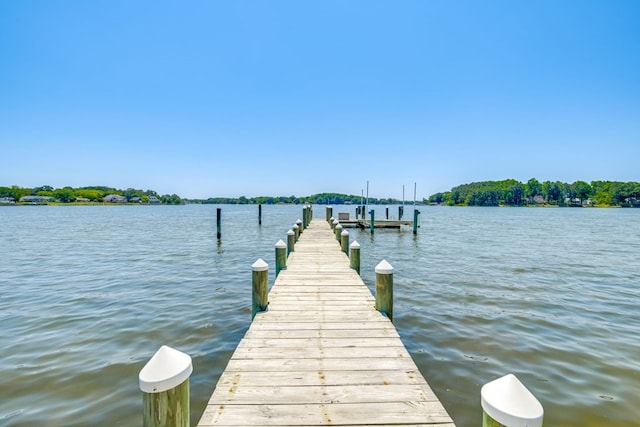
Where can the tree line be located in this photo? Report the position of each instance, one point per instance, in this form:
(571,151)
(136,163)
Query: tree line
(316,199)
(94,194)
(510,192)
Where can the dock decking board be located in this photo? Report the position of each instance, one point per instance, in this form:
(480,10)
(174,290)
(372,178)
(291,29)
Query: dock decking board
(322,354)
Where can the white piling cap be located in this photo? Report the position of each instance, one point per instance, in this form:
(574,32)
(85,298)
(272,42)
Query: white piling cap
(290,232)
(167,369)
(295,227)
(344,232)
(355,245)
(508,401)
(384,267)
(298,221)
(339,226)
(260,265)
(336,222)
(332,219)
(281,245)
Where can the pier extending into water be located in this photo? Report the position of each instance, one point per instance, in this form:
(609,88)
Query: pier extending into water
(322,354)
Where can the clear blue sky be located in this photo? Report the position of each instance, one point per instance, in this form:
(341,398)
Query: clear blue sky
(230,98)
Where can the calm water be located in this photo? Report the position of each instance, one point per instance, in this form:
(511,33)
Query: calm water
(88,294)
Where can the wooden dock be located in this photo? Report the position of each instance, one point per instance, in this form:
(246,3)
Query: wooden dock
(322,354)
(378,223)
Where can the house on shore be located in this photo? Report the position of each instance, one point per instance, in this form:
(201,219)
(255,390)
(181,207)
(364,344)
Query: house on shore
(35,199)
(114,198)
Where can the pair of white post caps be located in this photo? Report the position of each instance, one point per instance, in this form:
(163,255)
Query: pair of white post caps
(510,403)
(168,368)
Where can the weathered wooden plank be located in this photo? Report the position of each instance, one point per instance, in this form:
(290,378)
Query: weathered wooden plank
(312,364)
(361,393)
(313,352)
(263,333)
(395,413)
(380,377)
(370,343)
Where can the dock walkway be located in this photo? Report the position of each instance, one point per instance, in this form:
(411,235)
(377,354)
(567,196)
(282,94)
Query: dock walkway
(322,354)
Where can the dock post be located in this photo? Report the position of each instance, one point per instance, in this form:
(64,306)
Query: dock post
(219,223)
(300,225)
(387,212)
(304,217)
(291,241)
(400,212)
(260,285)
(164,381)
(372,223)
(296,230)
(344,241)
(281,256)
(329,214)
(334,223)
(416,212)
(354,257)
(338,231)
(259,214)
(507,402)
(384,288)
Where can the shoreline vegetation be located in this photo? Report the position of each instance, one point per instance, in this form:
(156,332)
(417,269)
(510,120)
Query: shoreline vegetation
(509,192)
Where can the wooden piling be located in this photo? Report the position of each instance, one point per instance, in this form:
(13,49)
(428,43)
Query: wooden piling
(164,381)
(291,241)
(415,220)
(219,223)
(372,222)
(384,288)
(281,256)
(338,230)
(259,214)
(507,402)
(300,225)
(260,285)
(354,256)
(296,231)
(329,213)
(344,241)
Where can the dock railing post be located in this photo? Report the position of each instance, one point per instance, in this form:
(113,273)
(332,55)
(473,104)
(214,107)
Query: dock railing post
(333,223)
(344,241)
(164,381)
(338,231)
(416,212)
(354,256)
(281,256)
(300,225)
(304,217)
(384,288)
(329,213)
(296,231)
(372,222)
(291,241)
(219,223)
(260,287)
(507,402)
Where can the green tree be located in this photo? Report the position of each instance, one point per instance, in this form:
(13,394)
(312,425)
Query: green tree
(581,190)
(66,194)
